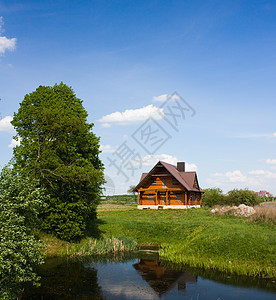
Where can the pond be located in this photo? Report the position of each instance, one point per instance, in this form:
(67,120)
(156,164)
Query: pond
(141,275)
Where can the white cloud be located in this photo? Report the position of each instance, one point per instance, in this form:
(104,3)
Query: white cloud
(230,176)
(131,116)
(190,167)
(165,97)
(5,124)
(236,179)
(252,135)
(14,143)
(6,43)
(151,160)
(161,98)
(236,176)
(257,172)
(107,149)
(263,173)
(255,135)
(270,161)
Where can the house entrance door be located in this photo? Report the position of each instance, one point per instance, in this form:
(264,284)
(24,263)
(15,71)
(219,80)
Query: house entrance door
(163,199)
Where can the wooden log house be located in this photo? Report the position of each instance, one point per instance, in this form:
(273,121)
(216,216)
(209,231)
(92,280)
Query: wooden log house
(168,186)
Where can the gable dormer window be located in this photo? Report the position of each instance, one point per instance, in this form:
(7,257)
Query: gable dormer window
(175,181)
(153,181)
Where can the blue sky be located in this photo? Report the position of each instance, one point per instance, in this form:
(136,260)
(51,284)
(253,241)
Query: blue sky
(124,57)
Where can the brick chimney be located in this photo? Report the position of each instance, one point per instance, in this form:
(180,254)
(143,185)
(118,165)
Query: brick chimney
(181,166)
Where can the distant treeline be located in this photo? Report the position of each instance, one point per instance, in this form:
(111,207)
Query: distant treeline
(119,199)
(267,199)
(215,196)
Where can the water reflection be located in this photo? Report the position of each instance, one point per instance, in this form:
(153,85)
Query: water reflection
(162,278)
(65,279)
(141,276)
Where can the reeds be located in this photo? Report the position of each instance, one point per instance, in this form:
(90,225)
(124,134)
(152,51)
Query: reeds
(103,246)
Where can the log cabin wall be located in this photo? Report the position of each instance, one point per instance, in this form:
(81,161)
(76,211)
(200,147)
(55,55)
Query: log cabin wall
(158,190)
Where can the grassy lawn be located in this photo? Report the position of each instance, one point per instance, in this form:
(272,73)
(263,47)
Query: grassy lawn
(196,237)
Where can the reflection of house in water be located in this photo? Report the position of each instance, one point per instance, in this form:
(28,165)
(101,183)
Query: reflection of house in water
(161,278)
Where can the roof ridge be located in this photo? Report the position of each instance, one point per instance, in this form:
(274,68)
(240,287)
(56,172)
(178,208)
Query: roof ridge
(163,162)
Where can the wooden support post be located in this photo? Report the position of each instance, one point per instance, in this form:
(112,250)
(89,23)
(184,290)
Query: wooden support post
(138,198)
(166,198)
(186,198)
(189,199)
(156,198)
(200,200)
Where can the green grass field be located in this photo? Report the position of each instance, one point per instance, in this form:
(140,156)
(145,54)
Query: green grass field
(197,238)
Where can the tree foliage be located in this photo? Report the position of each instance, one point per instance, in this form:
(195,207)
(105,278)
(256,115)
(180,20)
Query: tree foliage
(215,196)
(212,196)
(131,190)
(59,149)
(20,203)
(242,196)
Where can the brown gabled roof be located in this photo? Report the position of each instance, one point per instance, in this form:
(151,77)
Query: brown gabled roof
(186,179)
(143,176)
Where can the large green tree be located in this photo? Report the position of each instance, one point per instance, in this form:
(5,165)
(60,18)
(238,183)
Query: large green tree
(59,149)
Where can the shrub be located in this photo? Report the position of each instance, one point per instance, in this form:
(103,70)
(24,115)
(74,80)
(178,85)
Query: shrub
(212,196)
(237,197)
(20,204)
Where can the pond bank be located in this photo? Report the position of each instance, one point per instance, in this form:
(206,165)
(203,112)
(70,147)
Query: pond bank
(194,237)
(140,275)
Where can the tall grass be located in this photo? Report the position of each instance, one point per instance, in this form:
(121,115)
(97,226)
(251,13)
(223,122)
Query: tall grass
(264,214)
(103,246)
(88,246)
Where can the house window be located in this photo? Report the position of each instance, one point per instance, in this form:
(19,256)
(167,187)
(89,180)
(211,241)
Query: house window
(164,182)
(198,197)
(175,181)
(153,181)
(150,197)
(192,198)
(178,197)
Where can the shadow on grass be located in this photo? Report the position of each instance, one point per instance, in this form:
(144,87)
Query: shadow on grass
(92,229)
